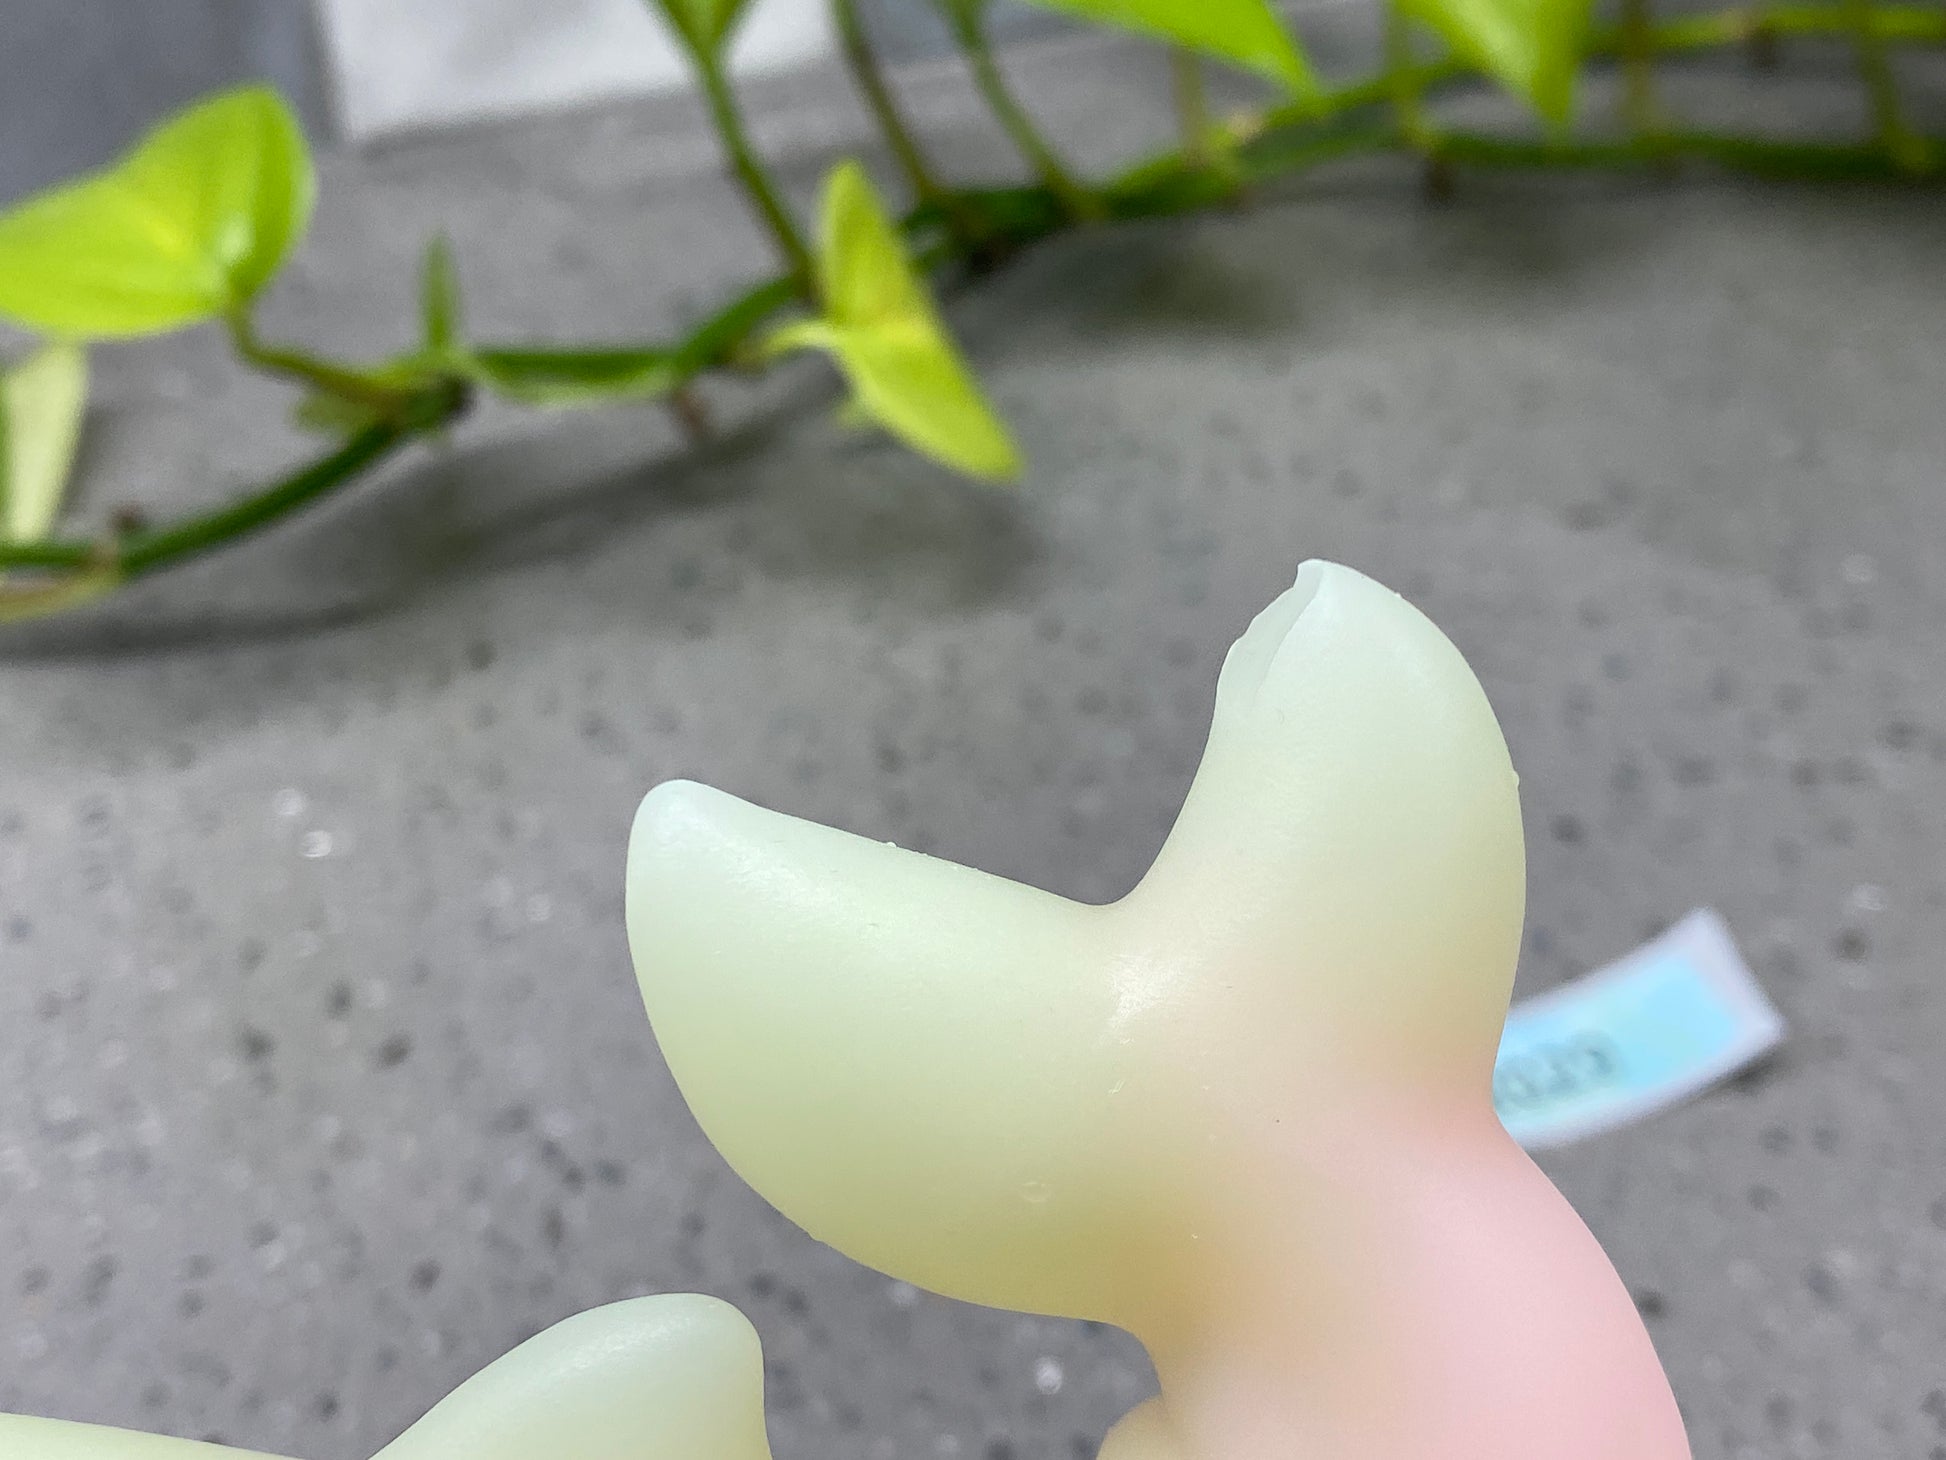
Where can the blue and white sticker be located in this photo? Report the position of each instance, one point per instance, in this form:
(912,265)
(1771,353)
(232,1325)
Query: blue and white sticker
(1616,1045)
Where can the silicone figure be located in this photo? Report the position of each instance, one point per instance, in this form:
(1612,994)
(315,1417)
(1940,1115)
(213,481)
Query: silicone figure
(671,1376)
(1243,1112)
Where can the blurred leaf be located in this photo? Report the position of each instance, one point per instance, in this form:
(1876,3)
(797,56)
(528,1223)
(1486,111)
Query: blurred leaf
(1532,47)
(705,24)
(880,327)
(545,377)
(1246,33)
(439,305)
(190,224)
(42,401)
(864,277)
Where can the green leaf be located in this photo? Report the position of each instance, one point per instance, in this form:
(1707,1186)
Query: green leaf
(42,401)
(705,24)
(544,377)
(864,277)
(1532,47)
(190,224)
(439,305)
(880,326)
(1246,33)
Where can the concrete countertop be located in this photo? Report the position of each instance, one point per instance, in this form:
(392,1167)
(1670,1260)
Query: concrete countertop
(323,1079)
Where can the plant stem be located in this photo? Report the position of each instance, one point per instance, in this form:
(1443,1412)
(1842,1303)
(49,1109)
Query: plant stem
(1906,25)
(1405,80)
(750,172)
(1192,107)
(1207,145)
(1079,203)
(1639,107)
(1762,157)
(1881,86)
(333,379)
(145,551)
(927,190)
(871,82)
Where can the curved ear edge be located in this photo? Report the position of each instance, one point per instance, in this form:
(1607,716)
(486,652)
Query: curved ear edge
(27,1437)
(677,1373)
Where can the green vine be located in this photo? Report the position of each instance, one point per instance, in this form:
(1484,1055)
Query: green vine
(749,170)
(869,77)
(969,28)
(1636,43)
(855,293)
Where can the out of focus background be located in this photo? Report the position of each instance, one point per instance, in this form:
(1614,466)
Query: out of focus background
(323,1078)
(79,78)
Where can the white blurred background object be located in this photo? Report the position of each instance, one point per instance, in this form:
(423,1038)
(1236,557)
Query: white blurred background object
(80,79)
(401,65)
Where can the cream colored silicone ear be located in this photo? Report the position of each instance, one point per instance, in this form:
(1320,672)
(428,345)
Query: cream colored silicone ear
(888,1046)
(1350,849)
(678,1376)
(674,1375)
(997,1093)
(1244,1111)
(23,1437)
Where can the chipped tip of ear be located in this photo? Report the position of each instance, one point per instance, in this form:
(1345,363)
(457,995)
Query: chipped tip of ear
(1331,623)
(1248,663)
(1312,569)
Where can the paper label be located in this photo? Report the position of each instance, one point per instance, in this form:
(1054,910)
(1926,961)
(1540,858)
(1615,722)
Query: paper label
(1625,1041)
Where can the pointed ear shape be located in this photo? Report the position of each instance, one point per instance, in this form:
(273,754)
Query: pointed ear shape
(996,1093)
(903,1055)
(677,1375)
(23,1437)
(1352,839)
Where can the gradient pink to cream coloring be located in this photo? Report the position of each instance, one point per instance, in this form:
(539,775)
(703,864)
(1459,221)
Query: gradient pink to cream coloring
(1243,1112)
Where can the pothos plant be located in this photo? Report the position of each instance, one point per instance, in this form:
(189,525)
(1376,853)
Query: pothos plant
(190,226)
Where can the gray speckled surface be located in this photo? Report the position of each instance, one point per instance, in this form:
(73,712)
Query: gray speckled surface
(322,1075)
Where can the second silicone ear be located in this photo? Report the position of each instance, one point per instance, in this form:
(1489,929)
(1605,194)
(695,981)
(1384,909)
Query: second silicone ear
(675,1375)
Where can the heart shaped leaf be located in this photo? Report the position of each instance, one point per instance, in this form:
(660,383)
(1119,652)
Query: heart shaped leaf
(880,326)
(190,224)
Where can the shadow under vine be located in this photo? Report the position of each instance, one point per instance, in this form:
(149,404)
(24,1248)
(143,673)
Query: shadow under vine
(458,517)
